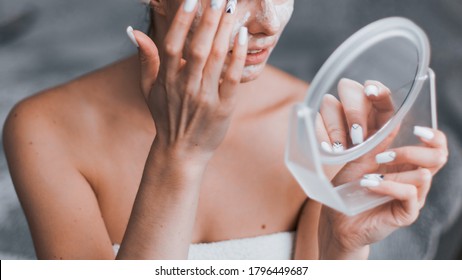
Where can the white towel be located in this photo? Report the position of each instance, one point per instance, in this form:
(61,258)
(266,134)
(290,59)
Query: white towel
(277,246)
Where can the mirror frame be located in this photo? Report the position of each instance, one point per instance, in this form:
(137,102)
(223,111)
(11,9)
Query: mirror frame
(304,156)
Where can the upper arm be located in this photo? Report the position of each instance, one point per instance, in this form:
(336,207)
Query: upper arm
(60,205)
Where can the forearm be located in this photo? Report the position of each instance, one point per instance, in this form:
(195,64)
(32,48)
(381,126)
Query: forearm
(164,211)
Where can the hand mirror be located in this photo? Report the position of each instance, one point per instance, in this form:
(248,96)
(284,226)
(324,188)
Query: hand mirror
(393,55)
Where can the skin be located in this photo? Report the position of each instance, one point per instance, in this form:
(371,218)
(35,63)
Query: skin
(149,152)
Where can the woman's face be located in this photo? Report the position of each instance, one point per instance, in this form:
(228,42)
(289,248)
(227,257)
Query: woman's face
(265,20)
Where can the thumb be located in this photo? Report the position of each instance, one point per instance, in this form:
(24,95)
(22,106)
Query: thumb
(148,56)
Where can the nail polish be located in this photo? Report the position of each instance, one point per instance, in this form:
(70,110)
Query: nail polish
(326,147)
(216,4)
(385,157)
(369,183)
(372,90)
(189,5)
(132,36)
(231,6)
(356,133)
(243,35)
(423,132)
(337,147)
(377,177)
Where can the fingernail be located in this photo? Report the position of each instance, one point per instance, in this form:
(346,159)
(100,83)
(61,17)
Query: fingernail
(326,147)
(373,176)
(369,183)
(189,5)
(243,35)
(385,157)
(132,36)
(231,6)
(372,90)
(423,132)
(338,147)
(356,133)
(216,4)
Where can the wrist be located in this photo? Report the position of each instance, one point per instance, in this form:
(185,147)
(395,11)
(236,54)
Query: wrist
(177,153)
(174,169)
(337,244)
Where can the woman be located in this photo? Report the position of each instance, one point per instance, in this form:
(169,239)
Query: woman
(192,155)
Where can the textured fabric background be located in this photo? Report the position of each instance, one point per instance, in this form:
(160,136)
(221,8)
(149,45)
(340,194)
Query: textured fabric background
(69,38)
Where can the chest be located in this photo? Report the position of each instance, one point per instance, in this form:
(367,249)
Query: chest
(246,189)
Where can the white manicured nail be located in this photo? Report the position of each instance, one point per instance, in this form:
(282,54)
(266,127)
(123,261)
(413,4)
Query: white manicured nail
(356,133)
(243,35)
(189,5)
(423,132)
(132,36)
(377,177)
(385,157)
(372,90)
(337,147)
(216,4)
(146,2)
(326,147)
(369,183)
(231,6)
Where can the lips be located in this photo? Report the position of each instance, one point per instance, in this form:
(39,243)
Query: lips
(256,56)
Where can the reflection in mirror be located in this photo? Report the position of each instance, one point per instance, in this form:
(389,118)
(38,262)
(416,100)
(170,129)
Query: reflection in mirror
(365,96)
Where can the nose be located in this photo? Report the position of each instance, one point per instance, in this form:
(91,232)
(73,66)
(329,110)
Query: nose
(266,20)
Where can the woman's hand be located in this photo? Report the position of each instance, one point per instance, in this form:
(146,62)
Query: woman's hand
(403,173)
(191,100)
(341,236)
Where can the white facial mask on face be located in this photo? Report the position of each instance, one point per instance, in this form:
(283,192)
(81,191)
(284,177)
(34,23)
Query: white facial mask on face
(276,15)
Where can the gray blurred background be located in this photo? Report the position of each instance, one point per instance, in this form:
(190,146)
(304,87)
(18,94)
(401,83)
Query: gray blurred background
(48,42)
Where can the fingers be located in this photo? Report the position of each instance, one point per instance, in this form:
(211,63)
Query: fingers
(334,121)
(176,37)
(322,135)
(421,178)
(233,75)
(433,156)
(419,156)
(202,41)
(432,138)
(381,99)
(407,194)
(149,60)
(220,50)
(409,188)
(356,107)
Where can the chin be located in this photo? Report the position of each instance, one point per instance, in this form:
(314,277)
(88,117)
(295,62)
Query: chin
(252,72)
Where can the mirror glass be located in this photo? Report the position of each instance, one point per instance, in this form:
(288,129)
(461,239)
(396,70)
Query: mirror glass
(365,93)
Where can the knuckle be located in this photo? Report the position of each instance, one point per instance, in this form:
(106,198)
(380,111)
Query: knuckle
(404,154)
(171,49)
(425,175)
(199,53)
(412,192)
(354,114)
(336,132)
(442,157)
(233,78)
(209,22)
(218,52)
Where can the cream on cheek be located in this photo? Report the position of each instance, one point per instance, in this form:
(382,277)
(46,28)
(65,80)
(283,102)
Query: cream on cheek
(237,26)
(277,16)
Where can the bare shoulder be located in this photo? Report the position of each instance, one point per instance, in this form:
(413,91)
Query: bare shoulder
(69,111)
(47,138)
